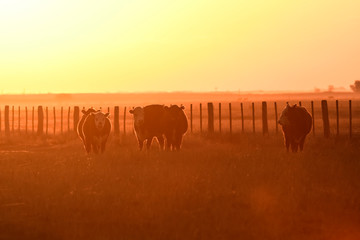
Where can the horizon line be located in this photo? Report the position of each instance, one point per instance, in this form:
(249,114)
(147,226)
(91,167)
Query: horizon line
(187,92)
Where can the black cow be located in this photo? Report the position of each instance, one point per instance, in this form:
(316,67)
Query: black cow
(96,130)
(176,125)
(149,123)
(81,123)
(296,123)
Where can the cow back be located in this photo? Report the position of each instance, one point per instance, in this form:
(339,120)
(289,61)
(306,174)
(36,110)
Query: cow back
(300,120)
(182,122)
(79,127)
(175,119)
(153,119)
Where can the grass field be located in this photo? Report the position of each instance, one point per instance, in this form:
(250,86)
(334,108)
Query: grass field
(246,188)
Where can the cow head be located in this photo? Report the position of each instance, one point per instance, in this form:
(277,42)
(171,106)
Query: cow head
(100,119)
(138,114)
(285,115)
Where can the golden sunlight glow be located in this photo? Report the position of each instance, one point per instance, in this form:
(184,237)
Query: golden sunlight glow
(161,45)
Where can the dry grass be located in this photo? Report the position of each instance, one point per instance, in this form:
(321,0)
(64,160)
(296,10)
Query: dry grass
(249,188)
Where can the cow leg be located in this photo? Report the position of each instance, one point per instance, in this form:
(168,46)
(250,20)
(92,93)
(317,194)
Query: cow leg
(301,144)
(148,142)
(103,146)
(95,148)
(168,143)
(87,146)
(141,144)
(178,140)
(96,141)
(294,146)
(160,139)
(102,143)
(172,144)
(287,143)
(174,140)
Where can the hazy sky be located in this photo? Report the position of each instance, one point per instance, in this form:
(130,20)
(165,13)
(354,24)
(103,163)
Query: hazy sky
(187,45)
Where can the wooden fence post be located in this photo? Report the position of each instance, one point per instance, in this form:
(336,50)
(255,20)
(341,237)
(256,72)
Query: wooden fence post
(40,129)
(191,118)
(276,118)
(200,118)
(337,118)
(230,118)
(313,117)
(350,120)
(12,119)
(69,119)
(124,121)
(19,119)
(116,121)
(76,117)
(253,116)
(264,118)
(47,120)
(0,121)
(219,117)
(33,119)
(242,117)
(54,120)
(300,103)
(61,119)
(26,120)
(325,117)
(7,123)
(210,117)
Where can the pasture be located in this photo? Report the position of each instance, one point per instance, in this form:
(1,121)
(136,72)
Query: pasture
(235,183)
(218,187)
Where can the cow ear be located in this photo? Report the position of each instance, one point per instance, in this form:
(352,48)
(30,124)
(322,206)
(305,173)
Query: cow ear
(131,111)
(83,111)
(107,115)
(182,107)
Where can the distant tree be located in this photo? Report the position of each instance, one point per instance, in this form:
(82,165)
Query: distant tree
(356,86)
(317,90)
(331,88)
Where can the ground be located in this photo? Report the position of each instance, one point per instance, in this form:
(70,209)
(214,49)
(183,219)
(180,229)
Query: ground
(217,187)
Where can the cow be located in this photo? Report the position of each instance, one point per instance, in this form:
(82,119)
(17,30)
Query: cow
(176,125)
(96,130)
(148,123)
(296,123)
(81,123)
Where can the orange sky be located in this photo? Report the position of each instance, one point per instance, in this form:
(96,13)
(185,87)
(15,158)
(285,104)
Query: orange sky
(161,45)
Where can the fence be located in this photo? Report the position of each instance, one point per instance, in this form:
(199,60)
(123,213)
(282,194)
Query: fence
(257,114)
